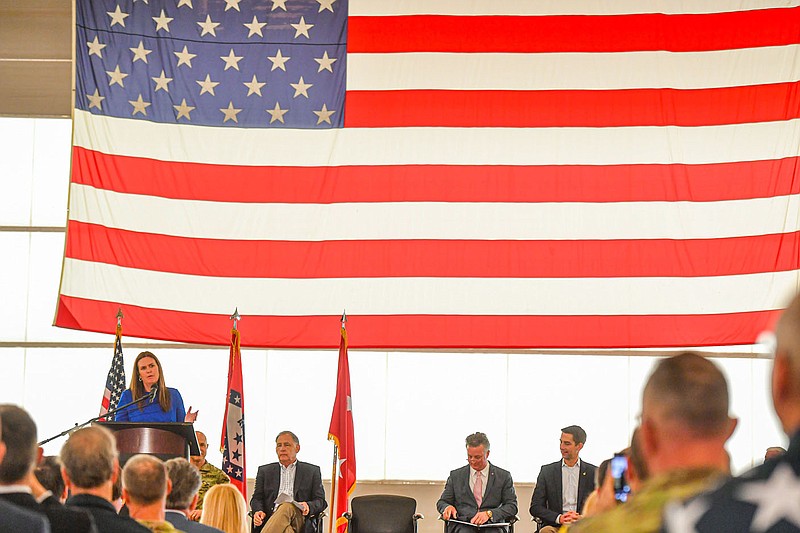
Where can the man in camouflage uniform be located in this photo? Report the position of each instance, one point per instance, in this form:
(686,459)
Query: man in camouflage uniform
(685,425)
(210,474)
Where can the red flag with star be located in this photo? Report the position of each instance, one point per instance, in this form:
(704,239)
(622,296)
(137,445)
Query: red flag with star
(232,444)
(341,433)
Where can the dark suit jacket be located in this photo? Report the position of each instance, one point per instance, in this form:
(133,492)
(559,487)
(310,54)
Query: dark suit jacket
(13,518)
(105,516)
(181,523)
(307,488)
(499,495)
(62,520)
(546,502)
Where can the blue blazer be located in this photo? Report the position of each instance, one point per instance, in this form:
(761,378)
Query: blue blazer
(13,518)
(151,412)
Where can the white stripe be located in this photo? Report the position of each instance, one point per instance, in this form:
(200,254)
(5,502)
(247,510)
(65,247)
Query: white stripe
(447,146)
(565,71)
(434,220)
(459,296)
(555,7)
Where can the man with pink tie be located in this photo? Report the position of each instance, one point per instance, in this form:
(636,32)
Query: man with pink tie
(478,493)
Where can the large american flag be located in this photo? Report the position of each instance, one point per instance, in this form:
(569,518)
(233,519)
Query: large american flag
(504,174)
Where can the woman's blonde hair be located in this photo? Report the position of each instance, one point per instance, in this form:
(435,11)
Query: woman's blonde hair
(224,508)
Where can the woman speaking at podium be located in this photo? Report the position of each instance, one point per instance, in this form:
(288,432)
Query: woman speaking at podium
(157,402)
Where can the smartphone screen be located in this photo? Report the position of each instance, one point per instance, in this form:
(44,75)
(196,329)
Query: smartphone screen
(619,472)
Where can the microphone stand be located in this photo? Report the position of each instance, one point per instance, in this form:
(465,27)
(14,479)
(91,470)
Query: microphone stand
(150,396)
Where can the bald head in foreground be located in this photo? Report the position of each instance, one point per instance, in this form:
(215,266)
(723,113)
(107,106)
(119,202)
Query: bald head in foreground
(90,467)
(685,425)
(766,498)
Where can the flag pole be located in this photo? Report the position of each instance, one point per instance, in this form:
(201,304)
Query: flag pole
(334,479)
(335,470)
(120,316)
(236,317)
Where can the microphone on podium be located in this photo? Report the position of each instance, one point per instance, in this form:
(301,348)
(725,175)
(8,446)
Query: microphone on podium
(153,393)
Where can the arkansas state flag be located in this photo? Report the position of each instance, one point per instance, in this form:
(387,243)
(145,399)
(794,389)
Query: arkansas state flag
(341,433)
(233,422)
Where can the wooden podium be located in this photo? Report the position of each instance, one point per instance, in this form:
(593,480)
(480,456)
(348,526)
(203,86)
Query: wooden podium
(164,440)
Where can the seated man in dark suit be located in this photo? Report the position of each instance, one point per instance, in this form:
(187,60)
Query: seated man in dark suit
(479,492)
(18,482)
(288,491)
(562,487)
(90,467)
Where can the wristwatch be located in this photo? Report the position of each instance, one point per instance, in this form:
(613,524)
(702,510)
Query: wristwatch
(489,512)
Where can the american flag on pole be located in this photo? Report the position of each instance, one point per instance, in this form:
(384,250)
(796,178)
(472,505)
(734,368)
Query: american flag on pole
(115,380)
(233,460)
(505,174)
(342,434)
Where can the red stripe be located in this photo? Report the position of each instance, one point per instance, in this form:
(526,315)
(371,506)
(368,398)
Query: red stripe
(383,332)
(573,108)
(437,183)
(435,258)
(594,33)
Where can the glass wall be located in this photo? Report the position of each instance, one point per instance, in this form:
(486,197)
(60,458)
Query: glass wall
(412,410)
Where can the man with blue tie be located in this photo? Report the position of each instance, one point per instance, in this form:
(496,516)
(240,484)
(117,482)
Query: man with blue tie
(478,493)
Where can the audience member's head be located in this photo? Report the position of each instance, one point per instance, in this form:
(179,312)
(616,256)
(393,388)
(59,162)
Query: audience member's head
(48,472)
(685,421)
(636,464)
(186,483)
(90,462)
(773,451)
(19,437)
(144,487)
(786,369)
(224,508)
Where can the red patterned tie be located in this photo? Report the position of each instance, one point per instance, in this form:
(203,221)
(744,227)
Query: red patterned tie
(477,489)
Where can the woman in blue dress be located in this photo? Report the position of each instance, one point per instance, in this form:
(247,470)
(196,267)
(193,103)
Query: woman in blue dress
(167,406)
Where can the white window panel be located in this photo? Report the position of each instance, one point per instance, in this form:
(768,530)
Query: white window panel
(51,160)
(549,392)
(299,395)
(434,402)
(75,378)
(16,170)
(14,257)
(12,383)
(45,271)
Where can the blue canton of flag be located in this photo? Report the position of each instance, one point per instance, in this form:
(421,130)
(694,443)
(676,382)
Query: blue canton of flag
(115,381)
(277,63)
(233,447)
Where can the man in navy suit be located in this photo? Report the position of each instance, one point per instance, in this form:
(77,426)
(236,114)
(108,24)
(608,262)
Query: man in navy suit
(478,493)
(90,467)
(562,487)
(298,485)
(17,482)
(13,518)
